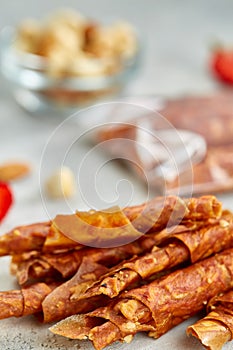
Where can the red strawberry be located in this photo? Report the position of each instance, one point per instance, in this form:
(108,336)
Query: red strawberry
(222,65)
(6,199)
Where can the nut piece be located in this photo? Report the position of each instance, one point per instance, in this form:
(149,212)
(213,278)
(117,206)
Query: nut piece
(13,171)
(61,184)
(73,45)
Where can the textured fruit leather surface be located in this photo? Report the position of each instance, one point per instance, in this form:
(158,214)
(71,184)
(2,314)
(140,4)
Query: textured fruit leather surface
(209,116)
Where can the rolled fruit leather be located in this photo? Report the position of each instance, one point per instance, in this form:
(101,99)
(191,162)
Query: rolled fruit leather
(187,244)
(210,116)
(178,247)
(88,267)
(36,265)
(215,329)
(151,216)
(71,290)
(89,264)
(201,208)
(29,299)
(25,301)
(155,307)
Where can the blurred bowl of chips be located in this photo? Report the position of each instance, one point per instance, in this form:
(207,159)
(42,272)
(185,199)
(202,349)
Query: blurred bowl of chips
(67,61)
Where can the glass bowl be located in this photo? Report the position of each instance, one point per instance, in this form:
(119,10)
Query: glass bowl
(36,91)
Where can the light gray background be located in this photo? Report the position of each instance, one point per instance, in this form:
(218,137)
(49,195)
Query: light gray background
(177,37)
